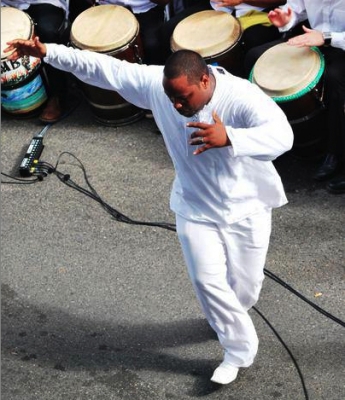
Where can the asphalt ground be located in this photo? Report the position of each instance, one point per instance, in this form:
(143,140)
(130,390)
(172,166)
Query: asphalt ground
(94,308)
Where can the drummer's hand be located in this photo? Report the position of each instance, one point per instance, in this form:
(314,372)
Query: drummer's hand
(226,3)
(280,18)
(309,38)
(208,135)
(23,47)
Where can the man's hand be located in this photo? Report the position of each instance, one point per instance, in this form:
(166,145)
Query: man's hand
(20,47)
(208,135)
(310,38)
(280,18)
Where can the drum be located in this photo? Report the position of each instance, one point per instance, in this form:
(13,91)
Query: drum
(292,77)
(23,86)
(111,30)
(215,35)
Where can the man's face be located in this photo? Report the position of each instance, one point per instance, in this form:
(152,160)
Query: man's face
(187,98)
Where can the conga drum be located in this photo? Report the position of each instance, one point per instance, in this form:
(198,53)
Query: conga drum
(111,30)
(215,35)
(23,84)
(292,77)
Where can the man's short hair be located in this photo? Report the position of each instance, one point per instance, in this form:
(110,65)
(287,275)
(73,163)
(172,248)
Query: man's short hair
(186,63)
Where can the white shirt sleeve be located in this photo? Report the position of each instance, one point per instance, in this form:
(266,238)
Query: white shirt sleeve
(299,14)
(338,40)
(130,80)
(266,134)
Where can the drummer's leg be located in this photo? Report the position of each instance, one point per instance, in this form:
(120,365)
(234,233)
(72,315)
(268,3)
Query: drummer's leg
(150,22)
(258,35)
(334,79)
(49,22)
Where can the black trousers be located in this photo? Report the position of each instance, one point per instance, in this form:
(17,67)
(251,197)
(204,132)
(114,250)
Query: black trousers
(150,23)
(49,27)
(334,78)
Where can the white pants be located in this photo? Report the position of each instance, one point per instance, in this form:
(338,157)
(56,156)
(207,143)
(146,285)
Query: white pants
(226,266)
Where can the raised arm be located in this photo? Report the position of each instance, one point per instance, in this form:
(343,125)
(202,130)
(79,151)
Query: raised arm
(130,80)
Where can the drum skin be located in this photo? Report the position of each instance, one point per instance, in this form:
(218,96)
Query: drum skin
(293,78)
(215,35)
(23,85)
(115,33)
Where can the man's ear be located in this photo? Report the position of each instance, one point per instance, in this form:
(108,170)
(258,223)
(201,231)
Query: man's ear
(204,81)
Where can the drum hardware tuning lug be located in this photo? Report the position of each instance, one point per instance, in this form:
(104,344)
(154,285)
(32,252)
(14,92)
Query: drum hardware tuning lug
(137,55)
(319,94)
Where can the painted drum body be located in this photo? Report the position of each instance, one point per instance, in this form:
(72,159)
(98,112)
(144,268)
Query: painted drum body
(23,84)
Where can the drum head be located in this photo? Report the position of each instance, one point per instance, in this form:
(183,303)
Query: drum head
(209,33)
(285,71)
(15,24)
(104,28)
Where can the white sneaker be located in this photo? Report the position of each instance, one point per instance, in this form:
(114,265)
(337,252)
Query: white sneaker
(224,374)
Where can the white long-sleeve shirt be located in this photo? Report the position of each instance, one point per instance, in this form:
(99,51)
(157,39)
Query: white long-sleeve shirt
(25,4)
(222,184)
(323,16)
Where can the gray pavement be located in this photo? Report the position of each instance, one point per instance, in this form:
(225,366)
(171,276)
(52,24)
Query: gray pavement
(96,309)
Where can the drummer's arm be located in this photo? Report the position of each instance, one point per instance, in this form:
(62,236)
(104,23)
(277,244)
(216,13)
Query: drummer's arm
(338,40)
(313,37)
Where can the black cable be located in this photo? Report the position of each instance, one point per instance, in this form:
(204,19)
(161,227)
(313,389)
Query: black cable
(19,180)
(288,350)
(295,292)
(93,194)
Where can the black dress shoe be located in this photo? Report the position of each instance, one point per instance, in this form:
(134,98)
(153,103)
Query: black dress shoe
(329,168)
(337,185)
